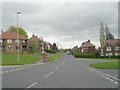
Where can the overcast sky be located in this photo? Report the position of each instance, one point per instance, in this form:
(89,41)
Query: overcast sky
(68,23)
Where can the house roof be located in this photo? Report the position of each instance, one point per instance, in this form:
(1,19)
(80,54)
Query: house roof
(34,38)
(112,42)
(87,44)
(11,35)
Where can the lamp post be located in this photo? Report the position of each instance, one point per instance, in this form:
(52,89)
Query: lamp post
(18,39)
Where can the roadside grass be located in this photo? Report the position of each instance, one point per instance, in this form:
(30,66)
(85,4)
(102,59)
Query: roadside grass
(100,58)
(106,65)
(55,57)
(11,59)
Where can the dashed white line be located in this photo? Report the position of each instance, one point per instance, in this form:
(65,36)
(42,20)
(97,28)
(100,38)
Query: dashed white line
(116,82)
(32,85)
(48,75)
(56,69)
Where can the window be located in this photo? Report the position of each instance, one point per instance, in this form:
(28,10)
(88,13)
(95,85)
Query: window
(17,47)
(108,48)
(9,41)
(1,40)
(107,54)
(9,47)
(101,50)
(117,54)
(23,41)
(17,41)
(117,48)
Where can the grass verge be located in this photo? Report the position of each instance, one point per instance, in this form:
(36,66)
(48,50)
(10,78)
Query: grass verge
(11,59)
(55,57)
(106,65)
(100,58)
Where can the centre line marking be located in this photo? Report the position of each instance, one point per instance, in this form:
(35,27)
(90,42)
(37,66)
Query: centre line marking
(32,85)
(56,69)
(48,75)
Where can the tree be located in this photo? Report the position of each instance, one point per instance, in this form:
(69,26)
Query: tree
(54,48)
(109,36)
(32,46)
(21,31)
(105,33)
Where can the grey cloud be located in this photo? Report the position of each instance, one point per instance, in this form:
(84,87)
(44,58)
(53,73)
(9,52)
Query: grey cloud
(58,21)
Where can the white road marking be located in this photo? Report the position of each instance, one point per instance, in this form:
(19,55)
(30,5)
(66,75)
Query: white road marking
(106,76)
(116,82)
(10,70)
(56,69)
(32,85)
(48,75)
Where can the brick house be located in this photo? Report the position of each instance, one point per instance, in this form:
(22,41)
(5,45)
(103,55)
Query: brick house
(40,43)
(111,47)
(8,42)
(87,47)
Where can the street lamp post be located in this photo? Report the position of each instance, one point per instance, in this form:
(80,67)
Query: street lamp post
(18,39)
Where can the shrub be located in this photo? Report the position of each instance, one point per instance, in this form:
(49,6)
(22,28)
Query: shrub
(84,55)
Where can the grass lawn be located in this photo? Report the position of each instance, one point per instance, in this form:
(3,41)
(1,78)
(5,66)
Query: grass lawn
(11,59)
(101,58)
(55,57)
(106,65)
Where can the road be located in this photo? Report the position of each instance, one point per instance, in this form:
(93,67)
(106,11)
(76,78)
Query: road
(67,72)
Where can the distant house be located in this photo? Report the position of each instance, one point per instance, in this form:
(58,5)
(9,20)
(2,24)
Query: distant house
(111,47)
(87,47)
(8,42)
(75,48)
(40,43)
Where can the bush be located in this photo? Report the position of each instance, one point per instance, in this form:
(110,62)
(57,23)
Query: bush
(84,55)
(108,56)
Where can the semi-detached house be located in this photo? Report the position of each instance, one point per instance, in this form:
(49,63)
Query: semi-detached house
(111,47)
(8,42)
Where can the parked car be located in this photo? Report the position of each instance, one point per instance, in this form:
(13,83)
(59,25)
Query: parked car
(68,53)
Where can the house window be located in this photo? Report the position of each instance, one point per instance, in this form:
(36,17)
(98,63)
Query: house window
(17,41)
(9,41)
(117,54)
(108,48)
(107,54)
(9,47)
(17,47)
(117,48)
(1,40)
(23,41)
(101,50)
(82,50)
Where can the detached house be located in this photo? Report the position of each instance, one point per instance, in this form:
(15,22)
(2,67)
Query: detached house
(87,47)
(111,47)
(8,42)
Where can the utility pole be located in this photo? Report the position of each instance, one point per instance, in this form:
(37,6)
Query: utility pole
(109,46)
(18,47)
(57,50)
(72,45)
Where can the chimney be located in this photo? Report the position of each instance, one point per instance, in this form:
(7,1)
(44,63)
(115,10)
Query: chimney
(1,31)
(33,35)
(83,43)
(89,41)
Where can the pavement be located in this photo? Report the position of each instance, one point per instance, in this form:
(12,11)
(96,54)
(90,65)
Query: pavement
(67,72)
